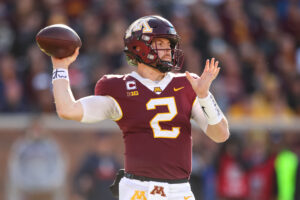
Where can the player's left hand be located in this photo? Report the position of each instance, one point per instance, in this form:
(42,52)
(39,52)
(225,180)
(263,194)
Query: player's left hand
(202,84)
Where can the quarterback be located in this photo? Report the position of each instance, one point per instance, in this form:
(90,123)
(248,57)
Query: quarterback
(153,107)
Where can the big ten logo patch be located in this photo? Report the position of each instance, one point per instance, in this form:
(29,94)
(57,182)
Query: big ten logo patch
(133,93)
(138,195)
(158,190)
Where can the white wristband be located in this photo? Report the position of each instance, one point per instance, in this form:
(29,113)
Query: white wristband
(60,73)
(211,109)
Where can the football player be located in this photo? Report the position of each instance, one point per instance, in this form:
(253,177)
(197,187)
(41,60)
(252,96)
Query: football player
(153,107)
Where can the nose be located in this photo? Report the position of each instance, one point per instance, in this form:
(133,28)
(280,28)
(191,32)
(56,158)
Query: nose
(167,55)
(167,51)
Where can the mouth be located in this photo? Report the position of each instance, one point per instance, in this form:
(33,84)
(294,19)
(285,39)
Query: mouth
(167,59)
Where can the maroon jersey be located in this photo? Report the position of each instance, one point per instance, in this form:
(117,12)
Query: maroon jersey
(155,123)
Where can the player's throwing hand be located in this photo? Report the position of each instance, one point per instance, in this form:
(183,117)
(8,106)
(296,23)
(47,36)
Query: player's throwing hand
(64,62)
(201,84)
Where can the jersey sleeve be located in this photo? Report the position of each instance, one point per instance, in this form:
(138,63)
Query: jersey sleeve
(98,108)
(198,115)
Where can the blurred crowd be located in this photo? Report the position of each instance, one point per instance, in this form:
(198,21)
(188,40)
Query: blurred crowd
(44,164)
(254,165)
(257,43)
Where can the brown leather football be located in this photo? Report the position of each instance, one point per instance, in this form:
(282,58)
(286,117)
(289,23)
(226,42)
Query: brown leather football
(58,40)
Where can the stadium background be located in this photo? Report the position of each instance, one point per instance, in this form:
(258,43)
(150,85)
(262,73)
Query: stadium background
(257,43)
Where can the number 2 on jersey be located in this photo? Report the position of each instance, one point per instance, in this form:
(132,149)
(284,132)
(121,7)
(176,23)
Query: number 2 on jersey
(158,132)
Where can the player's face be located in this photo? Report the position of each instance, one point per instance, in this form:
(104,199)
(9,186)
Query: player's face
(163,48)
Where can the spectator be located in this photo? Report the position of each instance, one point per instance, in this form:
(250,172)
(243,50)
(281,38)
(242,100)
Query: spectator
(37,169)
(286,164)
(232,182)
(260,164)
(11,91)
(97,171)
(203,177)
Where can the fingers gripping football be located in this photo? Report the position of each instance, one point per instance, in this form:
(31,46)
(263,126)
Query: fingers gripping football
(202,84)
(64,62)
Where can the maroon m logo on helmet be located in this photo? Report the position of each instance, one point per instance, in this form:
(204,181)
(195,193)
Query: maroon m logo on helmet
(158,190)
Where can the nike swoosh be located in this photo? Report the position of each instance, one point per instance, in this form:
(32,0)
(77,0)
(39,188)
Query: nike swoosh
(177,89)
(203,108)
(185,198)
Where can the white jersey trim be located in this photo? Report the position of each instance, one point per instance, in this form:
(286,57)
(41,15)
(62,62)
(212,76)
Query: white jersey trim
(153,84)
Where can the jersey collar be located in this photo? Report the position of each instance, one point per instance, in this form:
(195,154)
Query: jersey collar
(151,85)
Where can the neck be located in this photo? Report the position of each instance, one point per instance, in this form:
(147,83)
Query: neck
(149,72)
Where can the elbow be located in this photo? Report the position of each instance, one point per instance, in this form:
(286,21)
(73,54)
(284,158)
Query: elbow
(62,114)
(218,133)
(224,136)
(71,113)
(65,114)
(223,132)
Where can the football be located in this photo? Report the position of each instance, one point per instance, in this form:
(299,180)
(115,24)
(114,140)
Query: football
(58,40)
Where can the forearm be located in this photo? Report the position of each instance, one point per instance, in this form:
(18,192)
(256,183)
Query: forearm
(66,106)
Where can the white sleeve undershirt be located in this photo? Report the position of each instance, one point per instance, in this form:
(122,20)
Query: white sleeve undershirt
(198,115)
(98,108)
